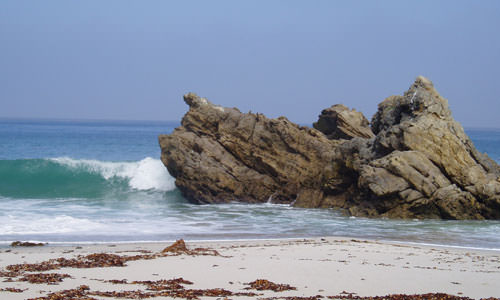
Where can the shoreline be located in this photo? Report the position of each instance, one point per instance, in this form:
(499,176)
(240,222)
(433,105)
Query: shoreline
(324,266)
(5,245)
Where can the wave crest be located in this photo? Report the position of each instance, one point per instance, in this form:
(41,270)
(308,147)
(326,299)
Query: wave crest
(145,174)
(67,177)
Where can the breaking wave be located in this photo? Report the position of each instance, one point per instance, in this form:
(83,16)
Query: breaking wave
(66,177)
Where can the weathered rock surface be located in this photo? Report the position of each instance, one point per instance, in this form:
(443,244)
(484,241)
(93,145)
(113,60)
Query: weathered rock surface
(221,155)
(338,122)
(415,162)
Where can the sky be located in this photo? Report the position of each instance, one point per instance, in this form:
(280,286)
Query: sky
(133,60)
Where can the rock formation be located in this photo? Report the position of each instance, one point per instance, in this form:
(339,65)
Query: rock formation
(414,162)
(221,155)
(338,122)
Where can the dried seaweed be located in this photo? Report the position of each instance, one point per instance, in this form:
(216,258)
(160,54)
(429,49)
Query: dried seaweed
(170,288)
(430,296)
(179,247)
(83,293)
(38,267)
(47,278)
(161,285)
(164,282)
(9,274)
(352,296)
(266,285)
(116,281)
(12,290)
(174,288)
(164,288)
(294,298)
(160,288)
(96,260)
(122,294)
(80,293)
(101,260)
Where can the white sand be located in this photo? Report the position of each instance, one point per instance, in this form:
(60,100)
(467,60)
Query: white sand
(326,267)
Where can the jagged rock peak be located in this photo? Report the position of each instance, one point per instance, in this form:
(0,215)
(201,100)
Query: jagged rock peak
(423,82)
(420,99)
(195,101)
(423,98)
(192,99)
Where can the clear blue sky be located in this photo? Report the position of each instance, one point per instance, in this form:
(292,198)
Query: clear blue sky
(135,59)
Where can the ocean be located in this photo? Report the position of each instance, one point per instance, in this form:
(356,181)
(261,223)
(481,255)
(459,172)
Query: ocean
(77,182)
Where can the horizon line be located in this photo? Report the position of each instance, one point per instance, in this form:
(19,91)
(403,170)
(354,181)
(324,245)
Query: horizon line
(80,119)
(2,118)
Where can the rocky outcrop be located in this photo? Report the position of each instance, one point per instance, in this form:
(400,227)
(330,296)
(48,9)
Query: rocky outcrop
(221,155)
(339,122)
(414,162)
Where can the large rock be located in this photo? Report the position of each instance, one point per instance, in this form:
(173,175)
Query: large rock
(221,155)
(415,162)
(339,122)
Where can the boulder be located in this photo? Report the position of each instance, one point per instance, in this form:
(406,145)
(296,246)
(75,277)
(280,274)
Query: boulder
(415,162)
(339,122)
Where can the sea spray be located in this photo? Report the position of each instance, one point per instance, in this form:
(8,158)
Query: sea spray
(147,174)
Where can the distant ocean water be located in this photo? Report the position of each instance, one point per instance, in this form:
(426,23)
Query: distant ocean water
(72,182)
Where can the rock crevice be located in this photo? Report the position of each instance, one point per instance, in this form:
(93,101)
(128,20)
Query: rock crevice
(414,161)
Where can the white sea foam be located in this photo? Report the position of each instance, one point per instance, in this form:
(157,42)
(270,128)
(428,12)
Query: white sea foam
(47,225)
(146,174)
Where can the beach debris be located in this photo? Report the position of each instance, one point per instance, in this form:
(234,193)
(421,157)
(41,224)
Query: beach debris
(347,293)
(95,260)
(98,260)
(89,261)
(179,247)
(161,285)
(429,296)
(9,274)
(102,260)
(12,290)
(80,293)
(38,267)
(266,285)
(26,244)
(121,294)
(173,293)
(83,292)
(161,288)
(174,288)
(294,298)
(116,281)
(46,278)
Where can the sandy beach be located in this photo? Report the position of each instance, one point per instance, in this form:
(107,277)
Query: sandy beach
(311,267)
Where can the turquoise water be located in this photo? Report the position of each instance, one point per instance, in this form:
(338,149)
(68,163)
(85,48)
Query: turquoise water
(94,181)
